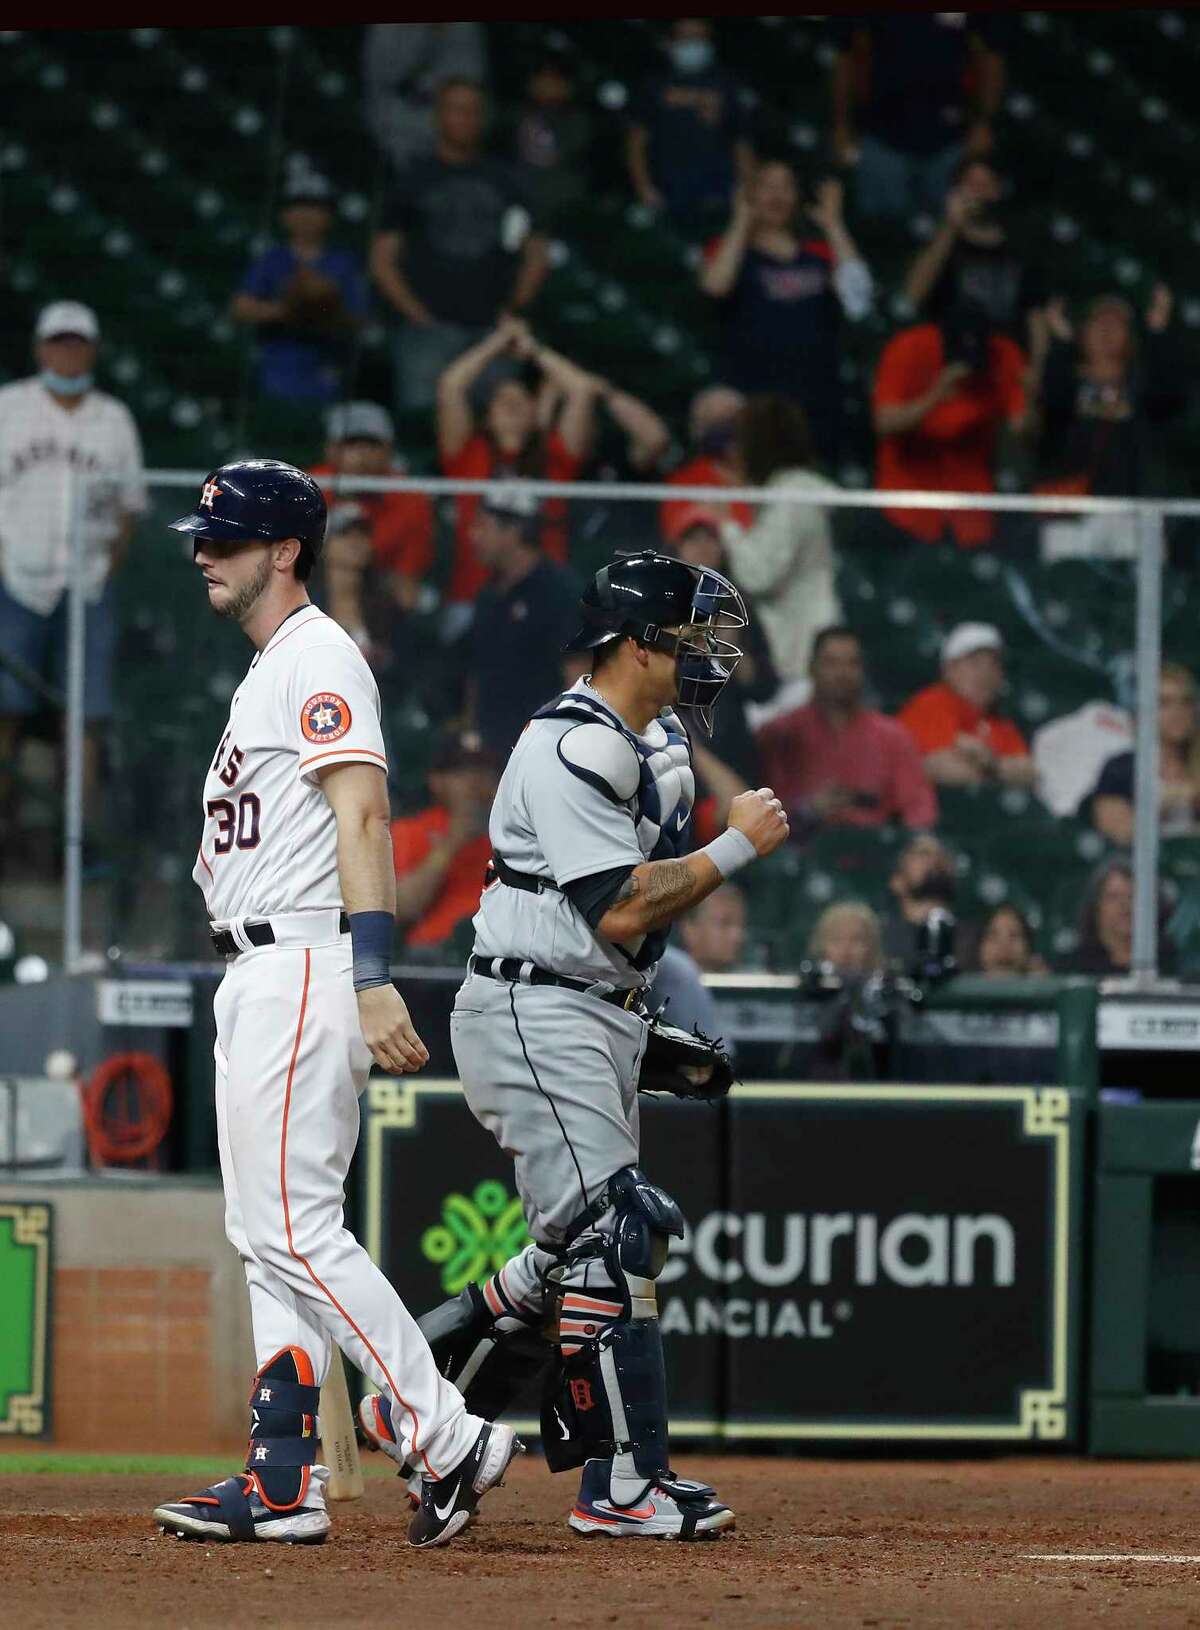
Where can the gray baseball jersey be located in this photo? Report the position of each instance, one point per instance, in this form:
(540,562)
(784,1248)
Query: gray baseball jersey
(582,795)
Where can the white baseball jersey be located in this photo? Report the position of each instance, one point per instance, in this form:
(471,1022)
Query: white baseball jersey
(43,448)
(270,836)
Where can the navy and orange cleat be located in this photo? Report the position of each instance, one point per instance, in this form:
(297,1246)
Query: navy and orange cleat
(670,1507)
(236,1511)
(375,1428)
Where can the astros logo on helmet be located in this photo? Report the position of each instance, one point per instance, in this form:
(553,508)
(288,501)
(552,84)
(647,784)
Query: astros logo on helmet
(211,491)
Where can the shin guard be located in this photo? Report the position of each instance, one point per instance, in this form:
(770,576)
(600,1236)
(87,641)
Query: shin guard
(283,1429)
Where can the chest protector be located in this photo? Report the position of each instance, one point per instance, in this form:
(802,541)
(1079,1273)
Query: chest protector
(663,800)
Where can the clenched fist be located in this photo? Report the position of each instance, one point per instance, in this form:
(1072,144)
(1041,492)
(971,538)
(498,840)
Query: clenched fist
(388,1031)
(761,817)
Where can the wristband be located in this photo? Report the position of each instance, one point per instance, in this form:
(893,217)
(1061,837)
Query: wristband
(371,937)
(729,852)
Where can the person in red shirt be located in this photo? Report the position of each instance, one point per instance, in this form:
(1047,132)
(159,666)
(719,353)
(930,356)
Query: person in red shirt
(835,761)
(384,533)
(441,853)
(506,439)
(942,393)
(963,742)
(712,434)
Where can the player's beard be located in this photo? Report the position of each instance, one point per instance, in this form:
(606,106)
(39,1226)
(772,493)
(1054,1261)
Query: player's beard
(242,601)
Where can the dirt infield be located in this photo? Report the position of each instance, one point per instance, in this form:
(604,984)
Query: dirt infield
(820,1543)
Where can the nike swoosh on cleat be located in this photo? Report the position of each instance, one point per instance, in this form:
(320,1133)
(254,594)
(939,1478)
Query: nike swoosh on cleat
(442,1515)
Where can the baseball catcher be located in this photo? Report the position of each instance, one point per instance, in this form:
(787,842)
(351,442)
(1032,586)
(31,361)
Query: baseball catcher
(590,837)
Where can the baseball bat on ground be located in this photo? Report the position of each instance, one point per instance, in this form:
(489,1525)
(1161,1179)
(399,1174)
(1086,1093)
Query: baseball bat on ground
(339,1446)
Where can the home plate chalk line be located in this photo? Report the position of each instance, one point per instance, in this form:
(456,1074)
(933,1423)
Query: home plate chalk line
(1093,1556)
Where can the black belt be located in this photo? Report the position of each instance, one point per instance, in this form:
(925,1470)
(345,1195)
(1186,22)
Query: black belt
(509,971)
(497,866)
(261,933)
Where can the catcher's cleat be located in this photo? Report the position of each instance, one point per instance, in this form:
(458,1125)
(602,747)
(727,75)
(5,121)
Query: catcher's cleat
(375,1426)
(670,1507)
(448,1504)
(235,1510)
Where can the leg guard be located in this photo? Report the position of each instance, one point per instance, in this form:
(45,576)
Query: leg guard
(283,1429)
(492,1358)
(609,1397)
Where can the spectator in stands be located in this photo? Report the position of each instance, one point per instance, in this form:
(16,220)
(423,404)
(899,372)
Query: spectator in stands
(835,761)
(712,939)
(630,444)
(943,392)
(523,617)
(1103,393)
(505,439)
(55,428)
(1106,924)
(458,246)
(849,937)
(552,138)
(924,880)
(784,559)
(912,93)
(380,544)
(971,260)
(712,432)
(727,761)
(685,146)
(1178,768)
(305,299)
(783,289)
(405,65)
(441,852)
(1005,946)
(963,741)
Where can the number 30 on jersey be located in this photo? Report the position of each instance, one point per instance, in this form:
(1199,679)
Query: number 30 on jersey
(237,823)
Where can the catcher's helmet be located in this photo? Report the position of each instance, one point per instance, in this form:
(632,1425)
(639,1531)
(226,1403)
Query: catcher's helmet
(641,595)
(261,500)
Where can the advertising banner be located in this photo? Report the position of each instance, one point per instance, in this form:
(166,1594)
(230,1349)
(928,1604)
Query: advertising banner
(25,1277)
(860,1261)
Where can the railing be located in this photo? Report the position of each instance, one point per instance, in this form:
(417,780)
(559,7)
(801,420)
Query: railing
(1145,517)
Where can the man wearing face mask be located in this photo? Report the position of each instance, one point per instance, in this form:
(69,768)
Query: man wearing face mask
(66,451)
(685,147)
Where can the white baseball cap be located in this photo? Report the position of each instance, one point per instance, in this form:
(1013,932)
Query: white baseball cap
(359,421)
(970,637)
(67,317)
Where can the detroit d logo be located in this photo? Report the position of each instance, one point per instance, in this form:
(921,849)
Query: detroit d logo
(581,1396)
(211,491)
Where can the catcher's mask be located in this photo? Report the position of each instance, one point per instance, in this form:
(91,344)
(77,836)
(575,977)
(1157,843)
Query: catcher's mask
(646,595)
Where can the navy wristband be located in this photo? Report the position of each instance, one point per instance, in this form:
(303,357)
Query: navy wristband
(371,936)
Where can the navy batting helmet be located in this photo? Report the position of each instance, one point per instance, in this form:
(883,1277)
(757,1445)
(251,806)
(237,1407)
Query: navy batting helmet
(260,500)
(643,595)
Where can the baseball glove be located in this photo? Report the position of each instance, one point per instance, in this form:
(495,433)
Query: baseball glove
(685,1063)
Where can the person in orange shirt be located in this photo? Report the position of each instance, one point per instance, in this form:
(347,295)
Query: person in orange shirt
(384,533)
(441,852)
(942,393)
(963,742)
(506,438)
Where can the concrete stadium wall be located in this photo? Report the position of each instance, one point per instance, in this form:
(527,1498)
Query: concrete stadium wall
(151,1327)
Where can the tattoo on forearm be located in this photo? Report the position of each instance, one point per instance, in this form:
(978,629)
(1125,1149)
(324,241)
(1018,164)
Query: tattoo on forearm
(669,886)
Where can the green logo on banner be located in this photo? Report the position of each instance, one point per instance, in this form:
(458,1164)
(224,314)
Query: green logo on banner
(476,1236)
(25,1324)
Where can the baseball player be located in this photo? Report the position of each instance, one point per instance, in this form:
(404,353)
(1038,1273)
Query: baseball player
(590,835)
(296,869)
